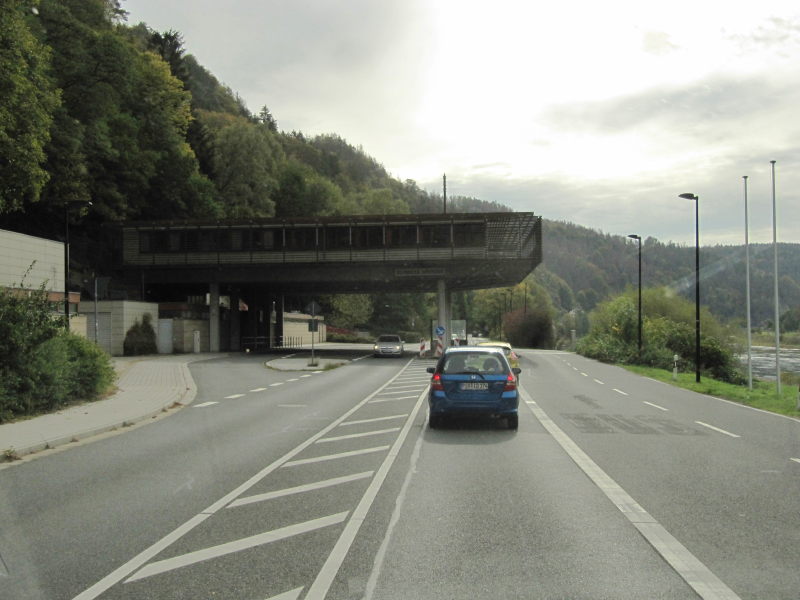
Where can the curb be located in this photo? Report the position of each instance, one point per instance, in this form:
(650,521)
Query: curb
(185,398)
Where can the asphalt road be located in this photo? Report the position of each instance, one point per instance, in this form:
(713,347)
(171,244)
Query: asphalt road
(284,485)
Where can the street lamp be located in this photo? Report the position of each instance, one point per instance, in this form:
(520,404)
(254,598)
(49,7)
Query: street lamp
(66,256)
(638,238)
(689,196)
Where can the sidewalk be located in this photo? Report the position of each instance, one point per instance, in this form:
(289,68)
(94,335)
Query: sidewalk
(146,386)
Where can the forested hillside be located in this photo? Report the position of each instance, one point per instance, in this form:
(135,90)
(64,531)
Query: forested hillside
(95,109)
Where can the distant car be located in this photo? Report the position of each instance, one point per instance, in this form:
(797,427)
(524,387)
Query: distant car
(388,345)
(473,380)
(512,357)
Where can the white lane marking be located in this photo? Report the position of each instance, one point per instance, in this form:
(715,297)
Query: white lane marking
(204,404)
(656,406)
(121,572)
(390,399)
(574,368)
(233,396)
(529,402)
(258,389)
(375,420)
(126,569)
(292,405)
(290,595)
(295,379)
(275,384)
(797,460)
(303,377)
(300,489)
(357,435)
(686,564)
(620,392)
(733,435)
(316,459)
(395,391)
(598,381)
(169,564)
(319,589)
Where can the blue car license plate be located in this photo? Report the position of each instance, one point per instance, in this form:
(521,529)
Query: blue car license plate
(474,385)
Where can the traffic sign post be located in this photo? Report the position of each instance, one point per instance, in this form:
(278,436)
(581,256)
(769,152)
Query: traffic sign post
(312,308)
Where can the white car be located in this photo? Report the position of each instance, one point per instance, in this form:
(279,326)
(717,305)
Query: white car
(388,345)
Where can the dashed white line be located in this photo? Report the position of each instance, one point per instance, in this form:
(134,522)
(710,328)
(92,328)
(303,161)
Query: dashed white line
(304,376)
(204,404)
(584,374)
(275,384)
(258,389)
(294,379)
(733,435)
(655,406)
(233,396)
(598,381)
(620,392)
(797,460)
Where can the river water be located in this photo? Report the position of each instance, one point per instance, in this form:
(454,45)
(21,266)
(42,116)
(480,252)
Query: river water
(763,359)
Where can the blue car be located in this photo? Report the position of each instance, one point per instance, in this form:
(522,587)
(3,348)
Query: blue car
(470,380)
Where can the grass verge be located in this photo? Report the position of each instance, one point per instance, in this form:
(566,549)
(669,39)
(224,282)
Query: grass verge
(763,395)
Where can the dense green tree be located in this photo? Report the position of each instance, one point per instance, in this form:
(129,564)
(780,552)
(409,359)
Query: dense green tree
(28,99)
(246,160)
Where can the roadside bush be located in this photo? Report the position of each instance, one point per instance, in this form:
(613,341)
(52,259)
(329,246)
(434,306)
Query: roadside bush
(42,367)
(140,338)
(348,338)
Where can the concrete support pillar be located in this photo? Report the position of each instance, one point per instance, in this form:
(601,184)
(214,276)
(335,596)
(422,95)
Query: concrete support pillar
(213,317)
(443,297)
(235,323)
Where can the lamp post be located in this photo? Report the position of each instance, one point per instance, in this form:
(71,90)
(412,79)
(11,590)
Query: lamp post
(747,288)
(690,196)
(66,257)
(638,238)
(775,279)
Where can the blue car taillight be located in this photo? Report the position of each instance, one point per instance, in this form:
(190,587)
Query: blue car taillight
(436,382)
(511,383)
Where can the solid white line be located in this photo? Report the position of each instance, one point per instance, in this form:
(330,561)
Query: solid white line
(204,404)
(696,574)
(620,392)
(233,396)
(797,460)
(258,390)
(290,595)
(169,564)
(350,436)
(656,406)
(124,570)
(362,421)
(733,435)
(319,589)
(316,459)
(300,489)
(598,381)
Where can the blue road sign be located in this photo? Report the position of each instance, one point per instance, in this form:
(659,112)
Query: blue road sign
(439,330)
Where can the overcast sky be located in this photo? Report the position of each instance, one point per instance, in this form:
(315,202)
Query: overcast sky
(597,113)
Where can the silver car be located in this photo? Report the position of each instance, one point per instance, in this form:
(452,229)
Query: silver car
(388,345)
